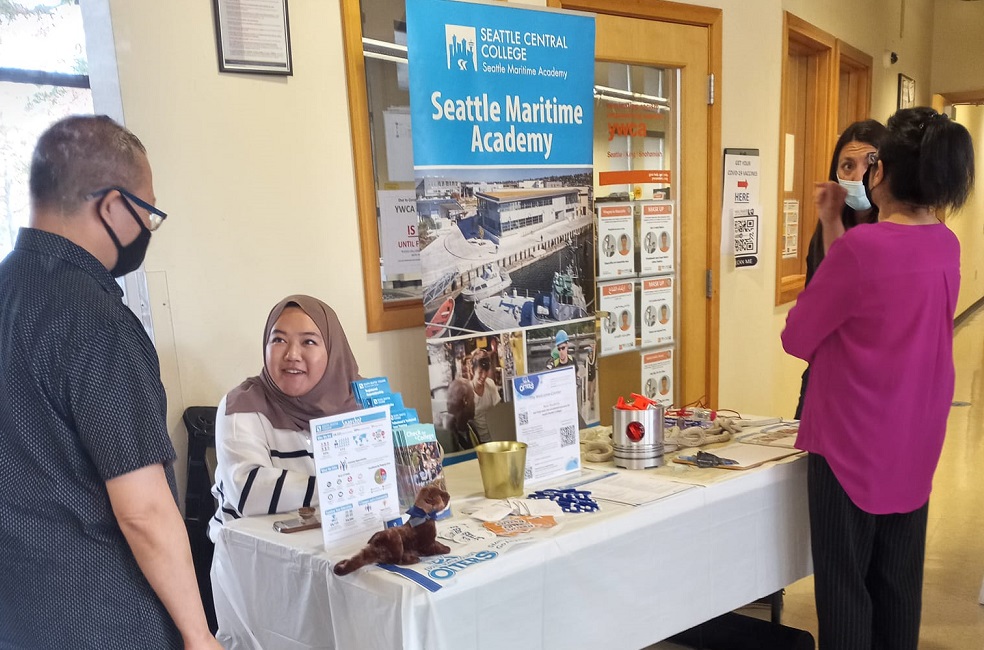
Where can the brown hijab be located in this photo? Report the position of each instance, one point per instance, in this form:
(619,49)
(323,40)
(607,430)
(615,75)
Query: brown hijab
(330,396)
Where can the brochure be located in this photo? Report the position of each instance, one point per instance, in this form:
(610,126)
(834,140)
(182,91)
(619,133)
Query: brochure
(356,473)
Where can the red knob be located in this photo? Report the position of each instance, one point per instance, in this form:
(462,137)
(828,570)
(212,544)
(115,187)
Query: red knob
(635,431)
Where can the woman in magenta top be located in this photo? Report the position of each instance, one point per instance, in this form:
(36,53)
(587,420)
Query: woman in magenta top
(876,326)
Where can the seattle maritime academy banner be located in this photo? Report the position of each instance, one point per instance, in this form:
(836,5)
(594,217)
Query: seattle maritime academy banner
(501,106)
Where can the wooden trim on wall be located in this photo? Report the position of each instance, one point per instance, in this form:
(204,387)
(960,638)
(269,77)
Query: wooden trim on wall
(860,64)
(667,12)
(805,37)
(380,316)
(715,162)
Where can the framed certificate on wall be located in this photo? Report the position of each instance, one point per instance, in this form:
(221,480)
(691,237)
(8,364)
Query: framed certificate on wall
(907,91)
(253,36)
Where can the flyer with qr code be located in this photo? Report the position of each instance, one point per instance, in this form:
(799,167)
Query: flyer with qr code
(546,420)
(356,473)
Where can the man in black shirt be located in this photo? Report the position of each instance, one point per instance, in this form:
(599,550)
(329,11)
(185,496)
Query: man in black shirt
(95,553)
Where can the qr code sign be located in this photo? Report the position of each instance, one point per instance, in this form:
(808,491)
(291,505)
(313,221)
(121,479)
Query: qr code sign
(568,436)
(746,235)
(524,418)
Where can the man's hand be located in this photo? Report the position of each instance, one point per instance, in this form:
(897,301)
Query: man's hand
(150,521)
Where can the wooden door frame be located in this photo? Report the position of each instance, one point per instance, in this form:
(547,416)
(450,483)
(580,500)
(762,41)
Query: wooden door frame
(710,19)
(858,65)
(821,124)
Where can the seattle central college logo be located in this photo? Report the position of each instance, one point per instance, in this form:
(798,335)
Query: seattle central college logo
(460,44)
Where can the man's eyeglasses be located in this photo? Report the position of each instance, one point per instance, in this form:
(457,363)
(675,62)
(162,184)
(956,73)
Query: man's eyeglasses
(562,347)
(155,216)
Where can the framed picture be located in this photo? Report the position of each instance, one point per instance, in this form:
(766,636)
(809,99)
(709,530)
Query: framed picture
(907,91)
(253,36)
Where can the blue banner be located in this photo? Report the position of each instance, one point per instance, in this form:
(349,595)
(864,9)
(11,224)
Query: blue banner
(502,119)
(499,85)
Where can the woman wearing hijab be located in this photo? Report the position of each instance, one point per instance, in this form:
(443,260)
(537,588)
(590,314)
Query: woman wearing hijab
(262,436)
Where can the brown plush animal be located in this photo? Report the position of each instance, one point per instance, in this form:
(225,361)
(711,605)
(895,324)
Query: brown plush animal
(404,544)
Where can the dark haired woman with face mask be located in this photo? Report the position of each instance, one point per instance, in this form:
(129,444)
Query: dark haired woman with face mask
(841,208)
(876,326)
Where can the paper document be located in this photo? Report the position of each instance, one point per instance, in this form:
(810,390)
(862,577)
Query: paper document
(745,456)
(778,435)
(634,490)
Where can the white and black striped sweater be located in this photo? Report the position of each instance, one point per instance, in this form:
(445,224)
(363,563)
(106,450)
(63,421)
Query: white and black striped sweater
(260,470)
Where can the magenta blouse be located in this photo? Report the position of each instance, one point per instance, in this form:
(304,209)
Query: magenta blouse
(876,326)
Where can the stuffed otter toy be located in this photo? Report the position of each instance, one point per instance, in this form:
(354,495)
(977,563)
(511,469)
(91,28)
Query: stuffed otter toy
(404,544)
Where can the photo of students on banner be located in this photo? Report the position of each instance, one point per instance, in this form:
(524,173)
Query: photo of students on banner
(467,378)
(572,344)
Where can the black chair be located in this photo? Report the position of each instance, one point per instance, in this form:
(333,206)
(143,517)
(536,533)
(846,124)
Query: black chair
(199,503)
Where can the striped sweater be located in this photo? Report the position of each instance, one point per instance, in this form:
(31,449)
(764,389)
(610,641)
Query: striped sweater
(260,470)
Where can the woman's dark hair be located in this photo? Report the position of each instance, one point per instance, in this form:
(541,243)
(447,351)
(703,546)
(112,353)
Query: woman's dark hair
(480,359)
(870,132)
(928,159)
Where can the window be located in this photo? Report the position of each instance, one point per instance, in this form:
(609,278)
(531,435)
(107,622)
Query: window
(379,107)
(43,77)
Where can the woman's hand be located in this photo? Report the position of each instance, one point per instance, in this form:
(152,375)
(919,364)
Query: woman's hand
(828,197)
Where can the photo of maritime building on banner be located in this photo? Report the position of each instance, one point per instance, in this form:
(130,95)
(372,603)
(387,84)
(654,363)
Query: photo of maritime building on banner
(498,255)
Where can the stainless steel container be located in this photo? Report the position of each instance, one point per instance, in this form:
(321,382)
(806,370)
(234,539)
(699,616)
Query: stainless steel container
(638,438)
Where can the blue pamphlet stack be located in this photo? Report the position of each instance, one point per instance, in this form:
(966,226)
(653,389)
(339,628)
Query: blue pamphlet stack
(375,391)
(418,454)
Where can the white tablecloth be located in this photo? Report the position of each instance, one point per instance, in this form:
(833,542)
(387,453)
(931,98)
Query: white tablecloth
(623,577)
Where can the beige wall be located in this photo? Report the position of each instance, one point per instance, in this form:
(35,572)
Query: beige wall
(958,46)
(257,177)
(968,223)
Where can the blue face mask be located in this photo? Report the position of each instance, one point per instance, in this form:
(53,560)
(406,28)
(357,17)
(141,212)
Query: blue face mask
(857,193)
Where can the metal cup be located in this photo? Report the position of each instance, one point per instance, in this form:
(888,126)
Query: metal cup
(503,467)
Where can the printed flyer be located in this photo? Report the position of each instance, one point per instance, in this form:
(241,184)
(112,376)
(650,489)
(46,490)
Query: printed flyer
(657,376)
(616,247)
(398,242)
(657,235)
(356,473)
(618,326)
(546,420)
(656,307)
(502,113)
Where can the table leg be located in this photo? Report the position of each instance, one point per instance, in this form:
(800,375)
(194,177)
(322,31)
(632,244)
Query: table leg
(775,602)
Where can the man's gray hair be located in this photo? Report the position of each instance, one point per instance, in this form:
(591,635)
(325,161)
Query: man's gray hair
(80,155)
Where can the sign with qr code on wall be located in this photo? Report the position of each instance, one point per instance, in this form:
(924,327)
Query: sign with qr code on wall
(746,225)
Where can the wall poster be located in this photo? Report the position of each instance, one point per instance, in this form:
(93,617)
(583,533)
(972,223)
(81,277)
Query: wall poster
(657,376)
(501,107)
(618,326)
(656,232)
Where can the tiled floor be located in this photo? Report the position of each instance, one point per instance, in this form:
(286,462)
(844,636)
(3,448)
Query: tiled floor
(952,619)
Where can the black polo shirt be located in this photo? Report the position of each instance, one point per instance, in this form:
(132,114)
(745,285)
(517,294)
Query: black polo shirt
(81,402)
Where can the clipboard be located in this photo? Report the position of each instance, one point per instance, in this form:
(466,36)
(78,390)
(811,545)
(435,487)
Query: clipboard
(746,456)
